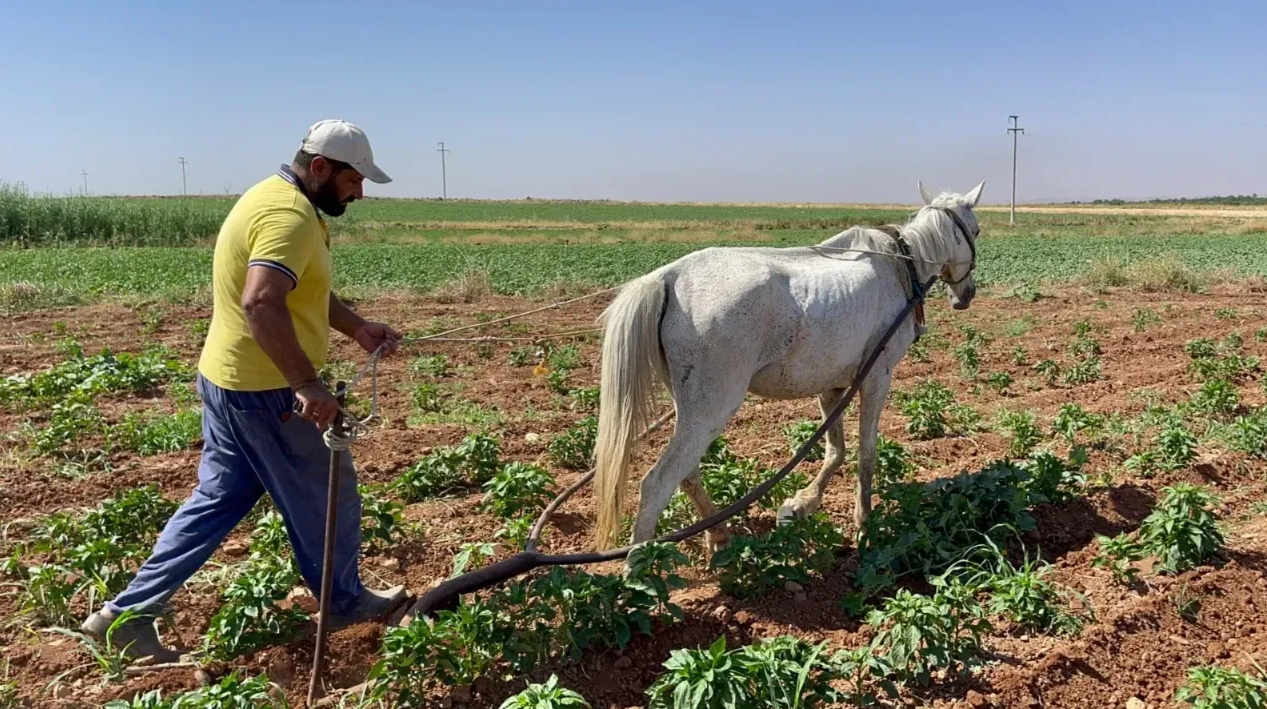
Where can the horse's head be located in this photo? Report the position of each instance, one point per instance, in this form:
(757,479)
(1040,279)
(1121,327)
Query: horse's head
(957,274)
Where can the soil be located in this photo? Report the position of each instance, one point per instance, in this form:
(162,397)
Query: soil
(1137,647)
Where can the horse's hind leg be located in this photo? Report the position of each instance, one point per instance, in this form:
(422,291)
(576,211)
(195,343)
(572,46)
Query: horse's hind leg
(699,422)
(716,537)
(807,501)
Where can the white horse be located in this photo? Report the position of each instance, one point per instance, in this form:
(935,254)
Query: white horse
(781,323)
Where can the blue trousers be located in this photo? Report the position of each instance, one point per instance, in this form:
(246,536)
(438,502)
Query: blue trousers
(248,450)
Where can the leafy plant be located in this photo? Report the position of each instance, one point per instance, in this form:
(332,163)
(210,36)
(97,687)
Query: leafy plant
(1178,447)
(1023,431)
(249,617)
(233,692)
(557,381)
(521,356)
(1117,554)
(585,398)
(1182,531)
(782,673)
(1020,356)
(1223,688)
(574,449)
(969,358)
(1022,595)
(434,366)
(999,381)
(516,489)
(751,566)
(1248,434)
(1216,398)
(1083,371)
(380,519)
(471,553)
(1049,369)
(444,470)
(158,434)
(1144,318)
(919,634)
(798,433)
(112,662)
(1072,419)
(925,409)
(545,696)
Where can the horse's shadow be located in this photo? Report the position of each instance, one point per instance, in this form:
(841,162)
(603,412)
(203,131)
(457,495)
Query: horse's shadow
(1063,528)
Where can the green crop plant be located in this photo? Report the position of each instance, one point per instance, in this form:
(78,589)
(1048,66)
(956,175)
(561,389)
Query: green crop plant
(574,449)
(800,432)
(1023,432)
(782,673)
(1217,398)
(249,616)
(434,366)
(1223,688)
(999,381)
(1049,369)
(559,614)
(585,399)
(917,635)
(547,695)
(1182,530)
(1072,420)
(1248,434)
(111,661)
(151,435)
(751,566)
(380,519)
(1021,594)
(471,555)
(926,410)
(448,469)
(1144,318)
(517,489)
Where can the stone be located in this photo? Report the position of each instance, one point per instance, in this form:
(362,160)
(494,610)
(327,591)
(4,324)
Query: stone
(61,691)
(300,597)
(236,547)
(723,614)
(1135,703)
(202,677)
(743,618)
(623,662)
(532,438)
(1180,640)
(800,597)
(391,563)
(793,586)
(976,700)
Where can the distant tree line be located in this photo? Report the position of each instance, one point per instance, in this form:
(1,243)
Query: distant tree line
(1231,199)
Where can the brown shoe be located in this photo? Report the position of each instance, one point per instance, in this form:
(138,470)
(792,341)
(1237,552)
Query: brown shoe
(372,604)
(136,637)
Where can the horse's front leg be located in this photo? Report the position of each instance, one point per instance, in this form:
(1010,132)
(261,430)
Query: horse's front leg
(874,393)
(807,500)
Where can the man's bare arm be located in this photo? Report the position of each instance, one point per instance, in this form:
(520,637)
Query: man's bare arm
(264,303)
(342,318)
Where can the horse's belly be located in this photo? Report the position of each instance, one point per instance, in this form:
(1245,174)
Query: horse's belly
(780,381)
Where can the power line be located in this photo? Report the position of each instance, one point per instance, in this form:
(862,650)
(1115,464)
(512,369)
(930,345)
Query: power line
(85,174)
(183,188)
(1014,129)
(444,180)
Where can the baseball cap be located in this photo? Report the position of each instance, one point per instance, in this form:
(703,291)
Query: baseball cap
(343,141)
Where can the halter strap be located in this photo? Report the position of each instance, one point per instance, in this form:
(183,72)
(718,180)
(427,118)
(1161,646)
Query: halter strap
(960,226)
(917,288)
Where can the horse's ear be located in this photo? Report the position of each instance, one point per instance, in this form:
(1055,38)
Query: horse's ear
(924,194)
(975,195)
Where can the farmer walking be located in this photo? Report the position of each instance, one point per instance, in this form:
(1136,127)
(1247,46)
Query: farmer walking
(273,310)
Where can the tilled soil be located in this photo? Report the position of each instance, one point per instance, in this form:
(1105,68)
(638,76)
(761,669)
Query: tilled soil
(1137,647)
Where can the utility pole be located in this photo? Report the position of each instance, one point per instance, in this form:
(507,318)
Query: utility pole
(1014,130)
(85,174)
(183,188)
(444,180)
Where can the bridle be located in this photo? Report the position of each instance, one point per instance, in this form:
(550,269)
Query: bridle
(919,289)
(968,236)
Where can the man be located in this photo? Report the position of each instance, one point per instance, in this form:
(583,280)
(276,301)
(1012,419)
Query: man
(272,314)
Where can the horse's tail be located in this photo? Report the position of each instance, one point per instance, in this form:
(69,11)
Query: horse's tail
(632,362)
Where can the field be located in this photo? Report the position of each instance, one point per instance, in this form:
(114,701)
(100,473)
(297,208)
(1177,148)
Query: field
(1071,511)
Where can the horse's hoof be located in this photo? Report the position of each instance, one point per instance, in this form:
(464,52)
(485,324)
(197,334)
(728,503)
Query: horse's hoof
(787,515)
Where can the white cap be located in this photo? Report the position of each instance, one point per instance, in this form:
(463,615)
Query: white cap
(343,141)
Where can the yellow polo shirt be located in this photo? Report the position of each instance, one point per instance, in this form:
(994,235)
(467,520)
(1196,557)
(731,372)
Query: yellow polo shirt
(272,225)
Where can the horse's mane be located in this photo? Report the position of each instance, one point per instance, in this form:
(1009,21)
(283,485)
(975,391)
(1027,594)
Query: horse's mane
(930,233)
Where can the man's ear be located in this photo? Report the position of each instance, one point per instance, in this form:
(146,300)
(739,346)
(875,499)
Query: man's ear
(320,168)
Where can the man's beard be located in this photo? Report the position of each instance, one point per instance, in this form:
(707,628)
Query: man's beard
(327,199)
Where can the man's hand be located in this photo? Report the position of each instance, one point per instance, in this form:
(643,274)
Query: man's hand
(372,334)
(317,404)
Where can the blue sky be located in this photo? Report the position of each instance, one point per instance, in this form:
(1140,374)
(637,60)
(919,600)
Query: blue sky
(650,100)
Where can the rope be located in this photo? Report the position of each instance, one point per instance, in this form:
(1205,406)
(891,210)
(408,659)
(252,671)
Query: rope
(341,438)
